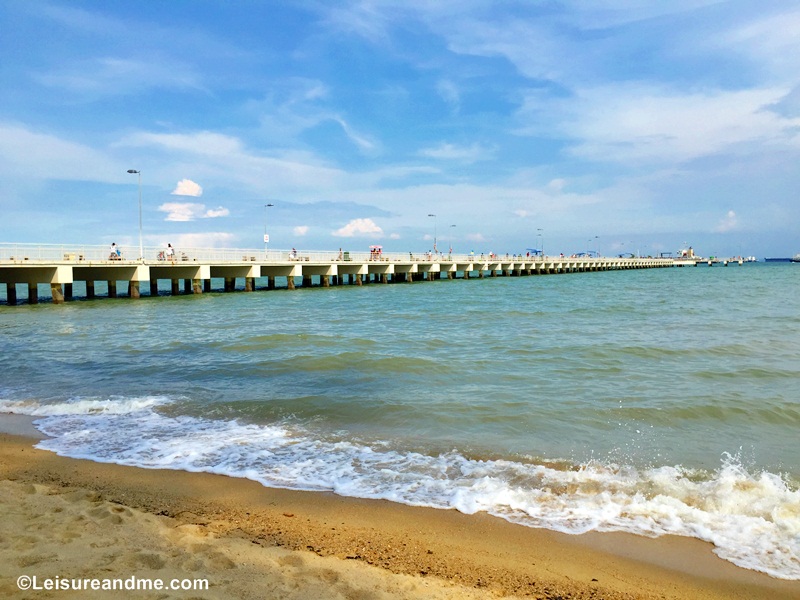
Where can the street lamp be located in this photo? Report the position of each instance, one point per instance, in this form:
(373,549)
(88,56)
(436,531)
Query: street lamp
(451,241)
(434,232)
(541,241)
(266,236)
(141,246)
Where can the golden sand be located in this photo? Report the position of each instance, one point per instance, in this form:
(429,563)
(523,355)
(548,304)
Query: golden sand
(67,518)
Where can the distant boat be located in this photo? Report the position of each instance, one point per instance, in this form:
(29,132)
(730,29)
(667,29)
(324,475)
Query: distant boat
(796,258)
(778,259)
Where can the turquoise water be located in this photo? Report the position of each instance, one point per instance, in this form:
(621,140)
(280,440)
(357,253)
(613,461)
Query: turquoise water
(654,401)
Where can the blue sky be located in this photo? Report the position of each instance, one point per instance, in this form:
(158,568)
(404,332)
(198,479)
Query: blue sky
(618,125)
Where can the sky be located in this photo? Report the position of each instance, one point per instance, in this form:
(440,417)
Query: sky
(618,126)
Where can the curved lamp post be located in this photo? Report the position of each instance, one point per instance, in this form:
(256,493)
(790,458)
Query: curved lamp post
(141,246)
(266,237)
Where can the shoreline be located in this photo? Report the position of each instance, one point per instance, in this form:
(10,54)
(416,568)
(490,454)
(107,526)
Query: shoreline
(469,555)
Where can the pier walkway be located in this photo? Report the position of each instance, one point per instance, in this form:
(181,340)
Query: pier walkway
(191,270)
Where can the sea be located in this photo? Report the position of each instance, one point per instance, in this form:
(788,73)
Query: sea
(659,401)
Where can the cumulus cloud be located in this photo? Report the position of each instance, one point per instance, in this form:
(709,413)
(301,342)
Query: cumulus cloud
(728,223)
(189,211)
(359,228)
(301,230)
(187,187)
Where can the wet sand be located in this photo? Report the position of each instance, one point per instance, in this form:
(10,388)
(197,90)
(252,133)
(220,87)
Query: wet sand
(75,518)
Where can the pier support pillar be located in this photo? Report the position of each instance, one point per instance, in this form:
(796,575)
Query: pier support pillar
(175,287)
(307,281)
(230,284)
(480,275)
(67,292)
(154,287)
(187,286)
(57,293)
(90,293)
(11,293)
(112,289)
(207,286)
(358,279)
(290,282)
(271,282)
(33,293)
(133,289)
(326,281)
(197,286)
(466,274)
(384,278)
(249,284)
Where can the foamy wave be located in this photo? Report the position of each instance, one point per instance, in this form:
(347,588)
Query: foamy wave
(80,406)
(753,520)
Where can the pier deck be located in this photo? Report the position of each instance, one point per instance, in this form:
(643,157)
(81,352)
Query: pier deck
(59,267)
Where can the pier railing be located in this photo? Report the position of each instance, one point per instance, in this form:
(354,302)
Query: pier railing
(78,253)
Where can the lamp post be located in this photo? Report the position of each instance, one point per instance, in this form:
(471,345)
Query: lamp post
(266,236)
(450,244)
(141,246)
(434,232)
(541,242)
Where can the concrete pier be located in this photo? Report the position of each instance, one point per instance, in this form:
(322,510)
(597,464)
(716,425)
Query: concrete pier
(241,270)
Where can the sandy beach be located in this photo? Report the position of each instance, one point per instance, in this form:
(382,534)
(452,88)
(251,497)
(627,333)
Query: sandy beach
(68,518)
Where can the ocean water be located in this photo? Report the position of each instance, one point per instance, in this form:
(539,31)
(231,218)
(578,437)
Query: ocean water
(663,401)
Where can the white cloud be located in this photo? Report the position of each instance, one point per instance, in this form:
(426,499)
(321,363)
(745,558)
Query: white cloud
(446,151)
(220,211)
(189,211)
(728,223)
(187,187)
(522,213)
(359,228)
(300,230)
(646,124)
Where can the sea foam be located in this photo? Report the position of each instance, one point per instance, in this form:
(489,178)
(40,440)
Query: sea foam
(752,519)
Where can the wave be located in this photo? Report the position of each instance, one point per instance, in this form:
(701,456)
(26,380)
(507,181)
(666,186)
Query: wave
(751,518)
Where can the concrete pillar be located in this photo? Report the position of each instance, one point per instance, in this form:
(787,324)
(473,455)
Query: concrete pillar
(57,293)
(154,287)
(384,278)
(230,284)
(358,279)
(90,289)
(249,284)
(187,286)
(207,286)
(466,274)
(133,289)
(112,289)
(33,293)
(450,275)
(271,282)
(307,281)
(492,273)
(325,281)
(67,291)
(197,286)
(335,281)
(11,293)
(175,287)
(290,282)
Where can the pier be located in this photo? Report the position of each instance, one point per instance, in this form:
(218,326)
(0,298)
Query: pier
(23,268)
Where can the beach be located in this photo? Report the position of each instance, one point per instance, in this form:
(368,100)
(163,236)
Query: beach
(72,518)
